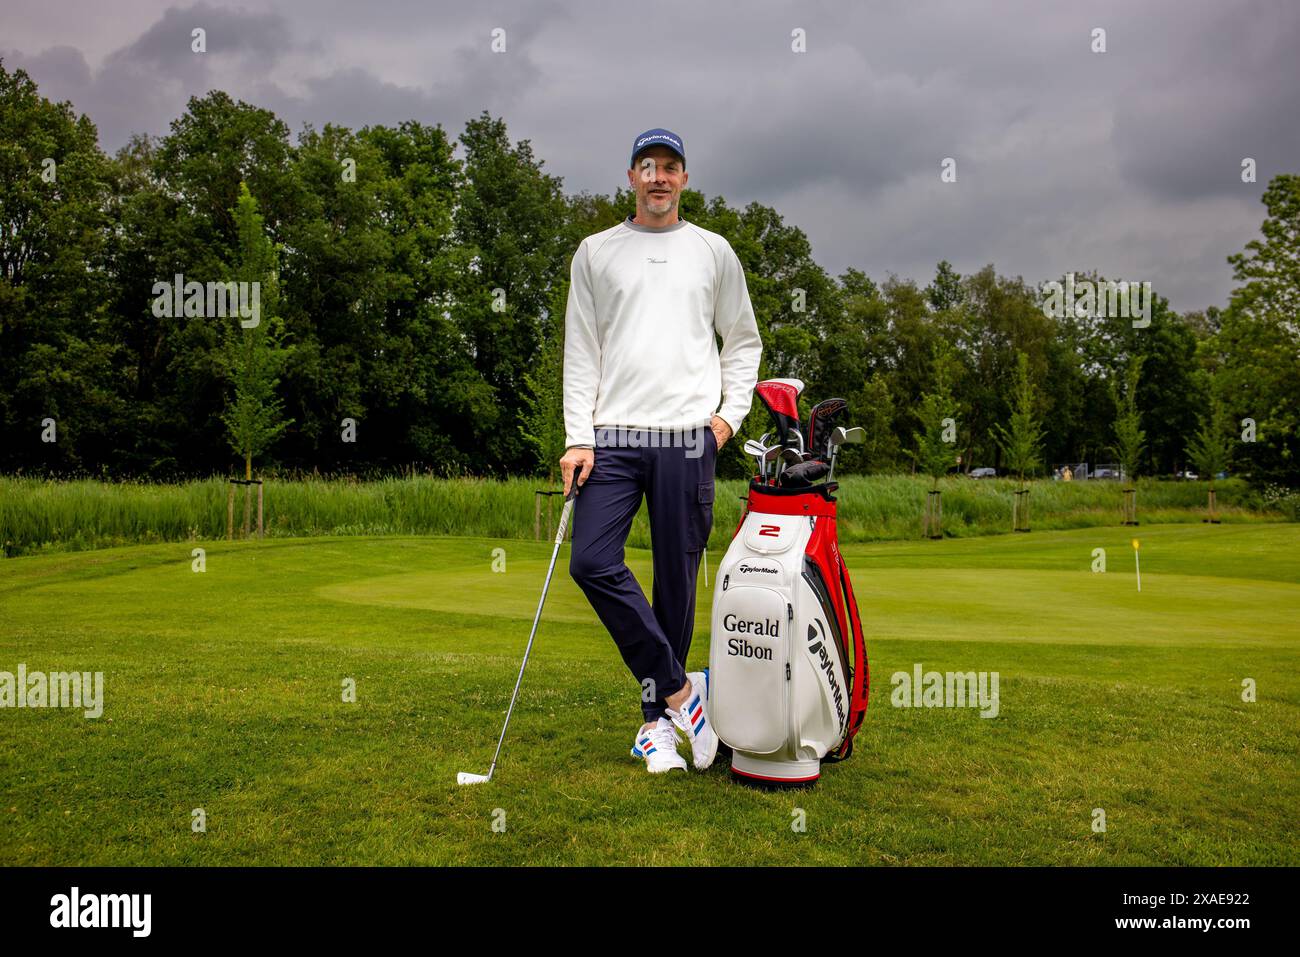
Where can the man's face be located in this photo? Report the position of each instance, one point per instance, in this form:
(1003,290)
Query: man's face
(658,179)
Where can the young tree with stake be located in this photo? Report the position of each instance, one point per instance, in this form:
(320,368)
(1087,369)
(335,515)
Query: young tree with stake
(252,358)
(1208,448)
(1021,445)
(935,446)
(1130,439)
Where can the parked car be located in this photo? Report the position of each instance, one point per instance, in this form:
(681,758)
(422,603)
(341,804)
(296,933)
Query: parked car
(1105,473)
(983,473)
(1186,476)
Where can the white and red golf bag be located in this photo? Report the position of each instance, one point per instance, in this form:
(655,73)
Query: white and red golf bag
(788,664)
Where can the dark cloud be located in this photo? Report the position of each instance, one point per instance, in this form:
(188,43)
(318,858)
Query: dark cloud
(1126,161)
(167,46)
(141,87)
(1228,91)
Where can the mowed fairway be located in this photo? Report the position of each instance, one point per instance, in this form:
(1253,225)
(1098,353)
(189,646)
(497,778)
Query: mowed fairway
(223,691)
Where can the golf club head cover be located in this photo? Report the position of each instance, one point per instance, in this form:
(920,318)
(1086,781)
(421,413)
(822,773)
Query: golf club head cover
(804,474)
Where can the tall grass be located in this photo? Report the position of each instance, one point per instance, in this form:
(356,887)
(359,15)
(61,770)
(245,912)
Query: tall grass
(44,515)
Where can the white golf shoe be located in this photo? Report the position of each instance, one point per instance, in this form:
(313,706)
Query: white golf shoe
(694,723)
(658,746)
(697,677)
(640,735)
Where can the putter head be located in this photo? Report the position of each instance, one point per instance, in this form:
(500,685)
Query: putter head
(466,778)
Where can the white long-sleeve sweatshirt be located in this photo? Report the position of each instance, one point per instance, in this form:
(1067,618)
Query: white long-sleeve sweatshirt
(640,350)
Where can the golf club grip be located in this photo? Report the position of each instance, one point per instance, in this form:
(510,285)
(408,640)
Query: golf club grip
(577,472)
(568,507)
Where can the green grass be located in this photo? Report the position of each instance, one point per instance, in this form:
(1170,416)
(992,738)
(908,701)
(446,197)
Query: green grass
(223,692)
(39,515)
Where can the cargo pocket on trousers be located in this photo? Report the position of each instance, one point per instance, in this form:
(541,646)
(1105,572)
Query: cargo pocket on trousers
(700,517)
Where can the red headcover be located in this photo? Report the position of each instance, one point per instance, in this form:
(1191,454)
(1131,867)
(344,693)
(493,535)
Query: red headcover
(781,396)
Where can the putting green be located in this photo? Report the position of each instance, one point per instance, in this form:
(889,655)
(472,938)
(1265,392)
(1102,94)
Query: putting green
(993,602)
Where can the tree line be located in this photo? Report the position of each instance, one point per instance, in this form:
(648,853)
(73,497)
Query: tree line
(416,314)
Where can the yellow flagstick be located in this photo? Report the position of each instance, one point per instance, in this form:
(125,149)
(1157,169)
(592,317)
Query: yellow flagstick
(1137,564)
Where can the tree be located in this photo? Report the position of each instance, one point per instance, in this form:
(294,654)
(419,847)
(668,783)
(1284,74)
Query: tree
(997,319)
(875,413)
(253,357)
(796,303)
(1269,268)
(58,340)
(902,342)
(935,446)
(1021,445)
(1130,439)
(212,149)
(543,425)
(1209,448)
(510,219)
(935,451)
(1260,342)
(946,291)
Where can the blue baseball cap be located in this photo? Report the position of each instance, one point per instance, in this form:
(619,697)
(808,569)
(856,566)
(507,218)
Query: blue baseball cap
(658,137)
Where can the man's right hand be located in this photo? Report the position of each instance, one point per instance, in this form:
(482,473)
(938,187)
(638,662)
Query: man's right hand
(571,460)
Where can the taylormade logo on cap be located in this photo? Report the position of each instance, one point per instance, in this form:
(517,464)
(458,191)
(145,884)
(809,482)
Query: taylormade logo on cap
(660,138)
(651,137)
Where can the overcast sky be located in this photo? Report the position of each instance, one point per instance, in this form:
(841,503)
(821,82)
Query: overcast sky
(1128,161)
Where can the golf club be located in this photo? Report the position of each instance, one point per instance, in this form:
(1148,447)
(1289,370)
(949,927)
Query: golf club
(764,453)
(756,449)
(787,456)
(840,436)
(771,454)
(464,777)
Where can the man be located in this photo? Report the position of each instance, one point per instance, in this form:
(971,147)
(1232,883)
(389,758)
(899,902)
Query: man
(643,379)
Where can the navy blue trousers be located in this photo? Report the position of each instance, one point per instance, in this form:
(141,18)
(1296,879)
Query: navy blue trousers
(677,482)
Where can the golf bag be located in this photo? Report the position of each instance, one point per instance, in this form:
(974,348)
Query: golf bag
(788,664)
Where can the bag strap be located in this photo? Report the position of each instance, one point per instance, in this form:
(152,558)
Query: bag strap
(861,671)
